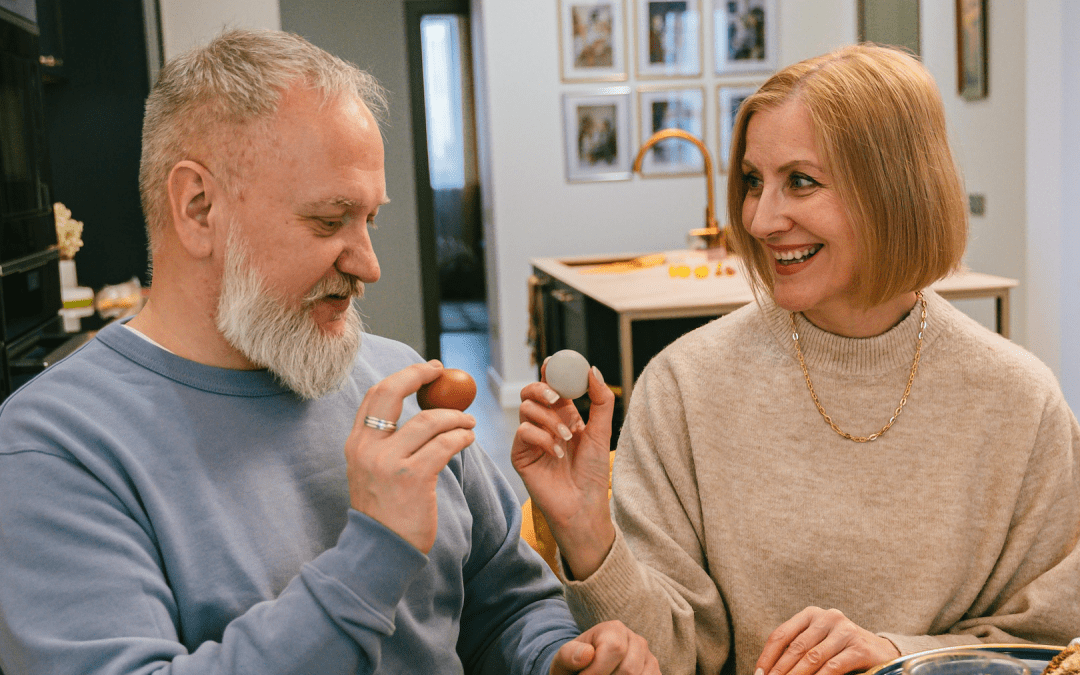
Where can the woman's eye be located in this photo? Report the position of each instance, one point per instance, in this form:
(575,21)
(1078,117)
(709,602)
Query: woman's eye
(798,181)
(751,181)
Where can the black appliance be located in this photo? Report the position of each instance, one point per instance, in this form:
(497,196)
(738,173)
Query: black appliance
(30,326)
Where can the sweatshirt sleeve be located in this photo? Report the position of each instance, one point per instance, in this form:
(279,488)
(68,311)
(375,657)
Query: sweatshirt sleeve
(83,590)
(1033,593)
(655,578)
(515,617)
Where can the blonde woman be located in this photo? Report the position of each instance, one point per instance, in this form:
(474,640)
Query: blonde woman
(849,469)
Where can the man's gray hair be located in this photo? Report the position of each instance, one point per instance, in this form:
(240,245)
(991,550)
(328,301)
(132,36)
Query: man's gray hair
(207,100)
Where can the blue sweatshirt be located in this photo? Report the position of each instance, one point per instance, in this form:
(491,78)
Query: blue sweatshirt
(162,516)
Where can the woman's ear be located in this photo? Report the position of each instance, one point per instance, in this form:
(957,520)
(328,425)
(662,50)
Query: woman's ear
(192,190)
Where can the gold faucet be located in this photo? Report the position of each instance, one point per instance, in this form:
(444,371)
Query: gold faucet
(711,234)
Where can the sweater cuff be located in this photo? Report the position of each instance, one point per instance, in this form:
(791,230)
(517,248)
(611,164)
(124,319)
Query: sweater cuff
(913,644)
(364,577)
(610,591)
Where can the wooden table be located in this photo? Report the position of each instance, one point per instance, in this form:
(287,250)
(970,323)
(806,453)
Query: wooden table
(653,293)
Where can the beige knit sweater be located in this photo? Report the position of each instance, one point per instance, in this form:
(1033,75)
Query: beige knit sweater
(737,506)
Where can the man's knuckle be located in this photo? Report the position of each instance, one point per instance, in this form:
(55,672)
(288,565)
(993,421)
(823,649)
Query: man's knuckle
(814,657)
(833,666)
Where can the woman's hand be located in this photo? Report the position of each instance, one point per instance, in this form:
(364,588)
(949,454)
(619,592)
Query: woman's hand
(822,641)
(565,467)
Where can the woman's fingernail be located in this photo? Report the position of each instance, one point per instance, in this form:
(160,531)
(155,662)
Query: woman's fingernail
(759,671)
(559,452)
(550,395)
(600,376)
(564,431)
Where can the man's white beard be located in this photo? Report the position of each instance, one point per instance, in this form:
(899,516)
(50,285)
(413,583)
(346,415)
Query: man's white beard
(284,340)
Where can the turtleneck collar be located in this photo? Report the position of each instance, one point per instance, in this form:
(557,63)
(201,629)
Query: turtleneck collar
(895,348)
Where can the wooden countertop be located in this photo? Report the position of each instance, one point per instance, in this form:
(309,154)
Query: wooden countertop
(654,292)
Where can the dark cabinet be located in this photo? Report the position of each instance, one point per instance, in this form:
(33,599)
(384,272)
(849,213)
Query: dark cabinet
(566,318)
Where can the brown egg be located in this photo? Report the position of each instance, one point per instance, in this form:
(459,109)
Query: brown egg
(453,389)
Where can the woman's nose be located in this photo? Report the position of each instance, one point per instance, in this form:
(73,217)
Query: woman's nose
(770,215)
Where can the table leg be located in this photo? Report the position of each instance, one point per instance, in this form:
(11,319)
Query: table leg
(626,358)
(1002,305)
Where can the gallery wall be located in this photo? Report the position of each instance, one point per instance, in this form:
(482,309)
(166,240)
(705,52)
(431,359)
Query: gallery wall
(533,212)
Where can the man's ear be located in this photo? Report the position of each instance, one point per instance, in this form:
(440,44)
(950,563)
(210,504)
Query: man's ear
(192,191)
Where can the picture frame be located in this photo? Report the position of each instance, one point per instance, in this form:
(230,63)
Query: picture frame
(746,36)
(972,74)
(671,108)
(668,38)
(728,100)
(596,129)
(592,40)
(891,22)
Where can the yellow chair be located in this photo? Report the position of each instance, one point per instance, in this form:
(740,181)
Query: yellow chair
(535,530)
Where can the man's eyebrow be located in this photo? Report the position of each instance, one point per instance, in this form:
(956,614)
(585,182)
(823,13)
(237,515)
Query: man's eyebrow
(337,201)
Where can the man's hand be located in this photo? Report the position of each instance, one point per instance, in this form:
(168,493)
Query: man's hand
(822,641)
(393,474)
(606,648)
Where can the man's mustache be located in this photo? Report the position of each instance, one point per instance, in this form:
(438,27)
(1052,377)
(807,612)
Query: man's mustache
(339,285)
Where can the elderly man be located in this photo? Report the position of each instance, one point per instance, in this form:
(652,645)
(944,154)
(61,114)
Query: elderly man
(174,496)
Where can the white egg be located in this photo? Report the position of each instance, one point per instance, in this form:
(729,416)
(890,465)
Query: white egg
(567,372)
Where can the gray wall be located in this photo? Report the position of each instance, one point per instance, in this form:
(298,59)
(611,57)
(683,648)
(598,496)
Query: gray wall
(371,34)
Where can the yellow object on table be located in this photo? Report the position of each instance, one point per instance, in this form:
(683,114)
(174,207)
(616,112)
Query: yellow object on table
(623,266)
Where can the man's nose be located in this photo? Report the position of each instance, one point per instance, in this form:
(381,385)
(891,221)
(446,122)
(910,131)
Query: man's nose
(357,256)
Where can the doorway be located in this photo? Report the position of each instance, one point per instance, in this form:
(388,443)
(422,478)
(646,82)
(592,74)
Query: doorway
(447,181)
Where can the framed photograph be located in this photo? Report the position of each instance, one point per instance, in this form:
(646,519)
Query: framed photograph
(728,101)
(890,22)
(597,135)
(668,38)
(592,39)
(746,36)
(672,109)
(972,77)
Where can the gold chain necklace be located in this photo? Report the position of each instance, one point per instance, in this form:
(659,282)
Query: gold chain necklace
(903,400)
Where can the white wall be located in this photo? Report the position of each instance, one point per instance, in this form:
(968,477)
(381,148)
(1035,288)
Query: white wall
(372,35)
(186,23)
(1068,300)
(530,209)
(1043,173)
(987,137)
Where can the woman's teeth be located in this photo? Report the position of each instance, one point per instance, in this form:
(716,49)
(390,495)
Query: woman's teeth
(796,256)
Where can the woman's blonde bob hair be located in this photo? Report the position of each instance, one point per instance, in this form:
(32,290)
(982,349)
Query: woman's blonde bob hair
(879,127)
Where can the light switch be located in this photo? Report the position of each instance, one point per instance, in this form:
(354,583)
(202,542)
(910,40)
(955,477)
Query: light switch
(977,204)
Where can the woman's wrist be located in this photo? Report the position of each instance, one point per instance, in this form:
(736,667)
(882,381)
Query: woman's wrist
(585,550)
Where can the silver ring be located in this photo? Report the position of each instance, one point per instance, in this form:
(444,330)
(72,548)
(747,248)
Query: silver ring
(379,423)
